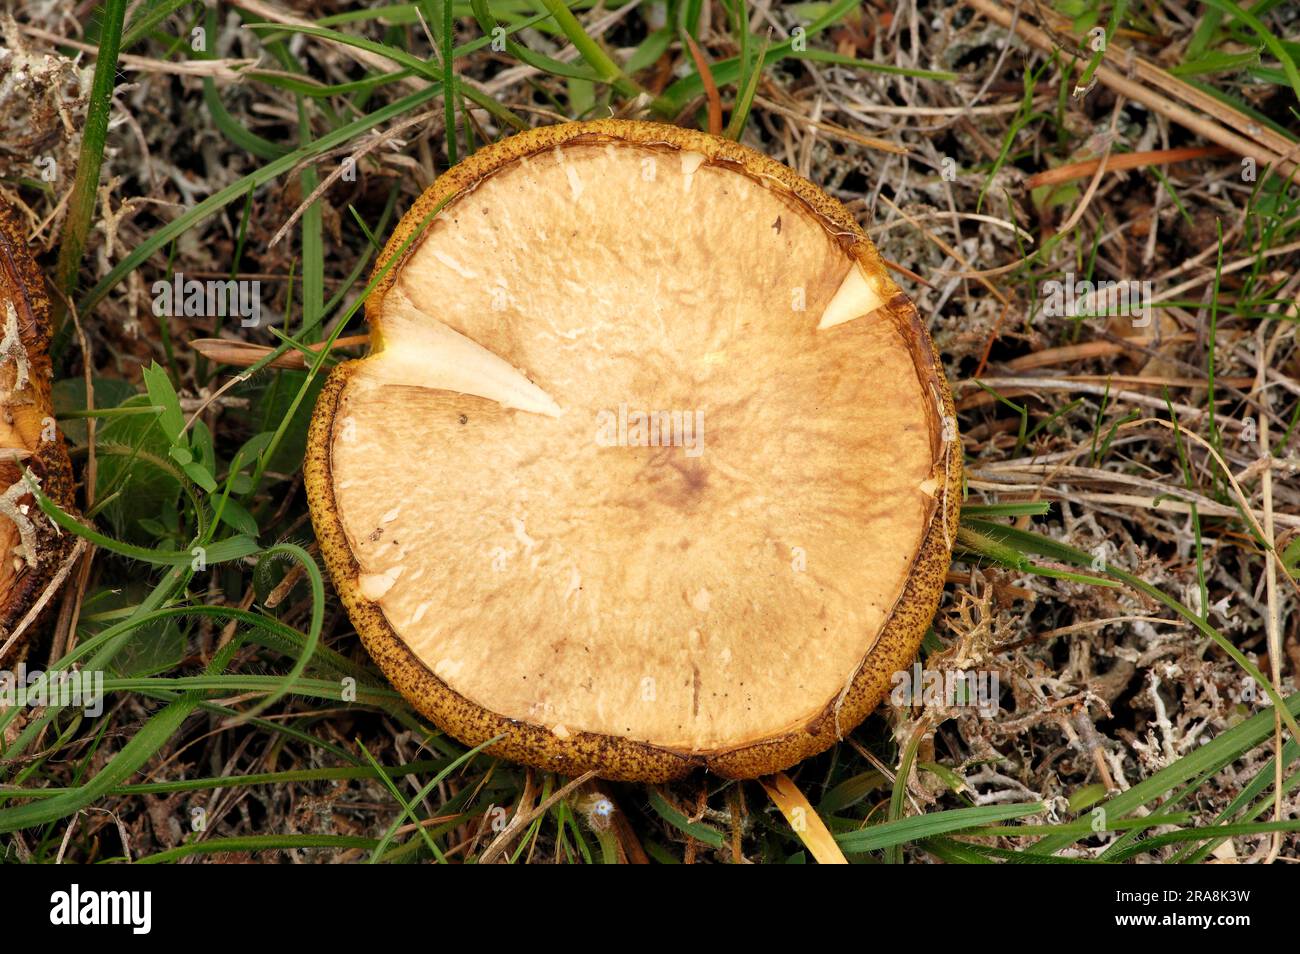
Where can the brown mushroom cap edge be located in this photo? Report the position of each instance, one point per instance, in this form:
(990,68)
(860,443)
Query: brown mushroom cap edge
(23,287)
(609,756)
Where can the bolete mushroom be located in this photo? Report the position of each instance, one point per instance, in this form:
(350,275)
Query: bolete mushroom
(651,465)
(32,549)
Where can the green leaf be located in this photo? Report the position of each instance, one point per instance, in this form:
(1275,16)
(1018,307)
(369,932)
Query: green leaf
(1291,557)
(849,792)
(1216,62)
(239,189)
(201,476)
(649,50)
(152,647)
(94,134)
(918,827)
(233,548)
(740,110)
(1218,752)
(253,447)
(1027,508)
(726,72)
(69,395)
(1087,796)
(954,852)
(697,830)
(161,393)
(234,515)
(155,527)
(137,749)
(271,398)
(593,53)
(234,130)
(1269,40)
(144,483)
(201,444)
(250,843)
(546,64)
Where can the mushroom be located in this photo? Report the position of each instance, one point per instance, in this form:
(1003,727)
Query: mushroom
(651,465)
(32,549)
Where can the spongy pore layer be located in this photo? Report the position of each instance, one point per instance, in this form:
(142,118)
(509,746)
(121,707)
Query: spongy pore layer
(708,583)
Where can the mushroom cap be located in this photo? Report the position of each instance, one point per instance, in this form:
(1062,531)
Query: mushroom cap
(31,548)
(651,465)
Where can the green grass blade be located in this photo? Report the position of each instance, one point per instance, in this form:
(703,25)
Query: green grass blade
(238,189)
(94,134)
(920,827)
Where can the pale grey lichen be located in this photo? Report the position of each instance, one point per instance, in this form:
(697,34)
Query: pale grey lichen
(11,347)
(17,514)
